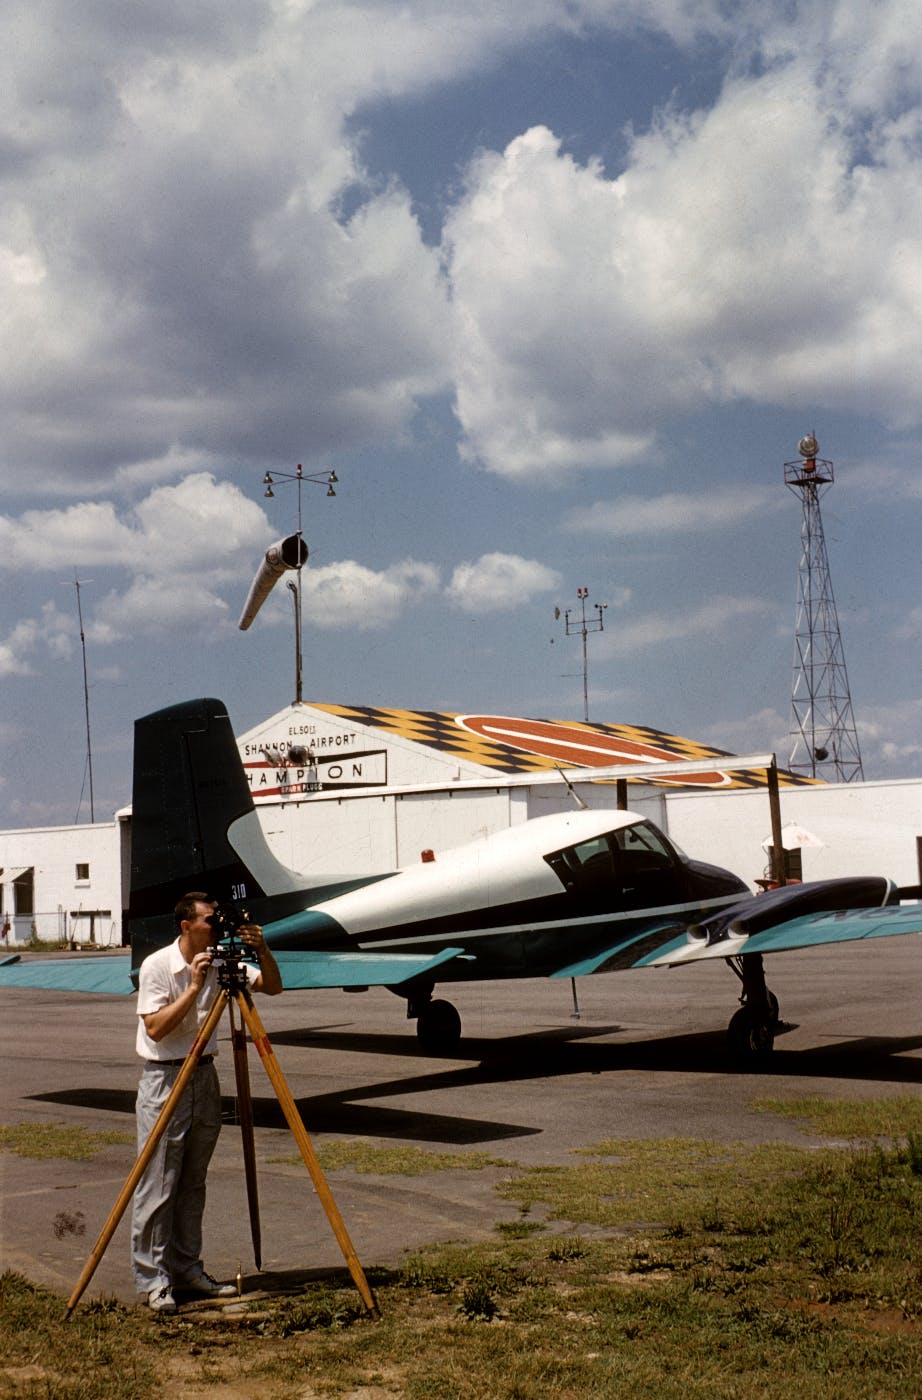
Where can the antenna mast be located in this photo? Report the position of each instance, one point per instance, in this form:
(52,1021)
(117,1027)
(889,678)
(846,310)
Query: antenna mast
(823,725)
(86,696)
(583,626)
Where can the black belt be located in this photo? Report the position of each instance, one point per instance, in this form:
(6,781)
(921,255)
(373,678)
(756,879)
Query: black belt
(159,1064)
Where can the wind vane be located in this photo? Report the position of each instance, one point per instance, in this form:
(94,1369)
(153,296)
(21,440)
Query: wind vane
(286,554)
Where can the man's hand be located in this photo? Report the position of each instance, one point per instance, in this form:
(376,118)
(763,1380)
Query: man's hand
(199,968)
(270,979)
(252,936)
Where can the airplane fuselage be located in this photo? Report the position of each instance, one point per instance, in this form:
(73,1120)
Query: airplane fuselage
(523,902)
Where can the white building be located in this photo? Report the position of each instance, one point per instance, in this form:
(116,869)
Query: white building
(347,789)
(65,884)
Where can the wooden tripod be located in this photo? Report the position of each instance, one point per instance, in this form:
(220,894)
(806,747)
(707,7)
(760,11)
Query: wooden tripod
(233,989)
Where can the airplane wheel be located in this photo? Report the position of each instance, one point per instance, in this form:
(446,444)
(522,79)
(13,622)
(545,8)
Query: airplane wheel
(438,1027)
(773,1008)
(750,1038)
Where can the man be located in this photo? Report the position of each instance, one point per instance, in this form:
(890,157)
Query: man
(176,991)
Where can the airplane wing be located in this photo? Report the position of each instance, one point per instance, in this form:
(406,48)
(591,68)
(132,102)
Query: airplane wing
(320,969)
(299,970)
(110,974)
(631,951)
(784,928)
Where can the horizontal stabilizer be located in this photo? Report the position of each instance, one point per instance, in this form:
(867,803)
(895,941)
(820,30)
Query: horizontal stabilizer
(92,974)
(357,969)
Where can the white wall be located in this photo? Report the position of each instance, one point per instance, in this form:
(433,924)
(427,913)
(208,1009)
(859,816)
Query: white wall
(866,828)
(62,903)
(370,835)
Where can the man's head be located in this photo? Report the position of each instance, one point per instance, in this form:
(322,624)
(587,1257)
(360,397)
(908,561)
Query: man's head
(193,907)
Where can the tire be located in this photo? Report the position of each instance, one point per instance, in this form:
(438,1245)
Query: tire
(750,1038)
(438,1027)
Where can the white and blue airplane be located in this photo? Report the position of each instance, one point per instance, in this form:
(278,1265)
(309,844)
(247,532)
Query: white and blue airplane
(562,896)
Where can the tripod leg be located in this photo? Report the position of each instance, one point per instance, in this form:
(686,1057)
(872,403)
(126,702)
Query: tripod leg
(245,1110)
(147,1151)
(293,1118)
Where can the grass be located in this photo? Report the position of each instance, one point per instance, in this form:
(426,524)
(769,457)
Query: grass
(864,1119)
(653,1184)
(47,1140)
(394,1160)
(684,1269)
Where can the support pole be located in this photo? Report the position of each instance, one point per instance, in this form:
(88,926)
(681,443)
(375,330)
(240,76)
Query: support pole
(305,1146)
(245,1113)
(779,873)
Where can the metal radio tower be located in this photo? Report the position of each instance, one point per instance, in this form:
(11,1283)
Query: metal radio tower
(823,728)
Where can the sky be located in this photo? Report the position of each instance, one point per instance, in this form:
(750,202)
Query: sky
(555,289)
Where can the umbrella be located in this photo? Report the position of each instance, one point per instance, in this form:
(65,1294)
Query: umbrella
(794,835)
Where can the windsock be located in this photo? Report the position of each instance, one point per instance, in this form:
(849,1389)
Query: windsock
(290,553)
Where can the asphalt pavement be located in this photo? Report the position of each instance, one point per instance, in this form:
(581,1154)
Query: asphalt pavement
(533,1080)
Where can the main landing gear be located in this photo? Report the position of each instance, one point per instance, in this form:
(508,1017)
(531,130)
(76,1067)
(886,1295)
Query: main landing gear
(751,1032)
(438,1025)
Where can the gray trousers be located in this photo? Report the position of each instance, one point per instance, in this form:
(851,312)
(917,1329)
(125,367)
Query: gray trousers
(169,1200)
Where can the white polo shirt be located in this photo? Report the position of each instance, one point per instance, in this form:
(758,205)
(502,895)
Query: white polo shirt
(165,975)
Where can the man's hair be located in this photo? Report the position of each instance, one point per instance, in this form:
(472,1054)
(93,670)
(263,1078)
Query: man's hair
(185,908)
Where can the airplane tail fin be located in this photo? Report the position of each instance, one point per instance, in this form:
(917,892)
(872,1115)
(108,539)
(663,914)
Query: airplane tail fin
(193,823)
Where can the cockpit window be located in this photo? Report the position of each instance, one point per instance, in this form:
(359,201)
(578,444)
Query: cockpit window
(641,839)
(631,864)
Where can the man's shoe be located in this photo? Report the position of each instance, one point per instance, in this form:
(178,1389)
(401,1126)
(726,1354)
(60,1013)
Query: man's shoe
(204,1286)
(161,1300)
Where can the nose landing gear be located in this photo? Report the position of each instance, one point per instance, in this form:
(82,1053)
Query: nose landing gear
(751,1032)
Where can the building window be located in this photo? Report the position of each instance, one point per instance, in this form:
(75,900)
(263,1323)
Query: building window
(23,892)
(83,872)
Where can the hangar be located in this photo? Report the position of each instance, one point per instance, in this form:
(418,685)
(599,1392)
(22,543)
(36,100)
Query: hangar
(344,789)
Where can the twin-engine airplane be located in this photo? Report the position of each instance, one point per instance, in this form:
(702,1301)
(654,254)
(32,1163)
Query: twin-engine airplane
(559,896)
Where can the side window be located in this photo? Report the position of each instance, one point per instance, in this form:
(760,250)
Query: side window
(587,866)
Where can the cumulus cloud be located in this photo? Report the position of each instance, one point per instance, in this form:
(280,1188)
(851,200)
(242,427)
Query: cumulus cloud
(655,629)
(670,513)
(909,628)
(193,261)
(366,599)
(498,581)
(737,256)
(178,277)
(195,265)
(198,524)
(156,606)
(888,738)
(177,546)
(765,729)
(51,632)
